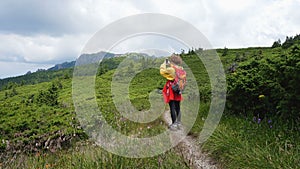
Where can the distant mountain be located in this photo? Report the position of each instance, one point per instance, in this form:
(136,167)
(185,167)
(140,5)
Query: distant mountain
(66,69)
(84,59)
(94,57)
(63,66)
(63,70)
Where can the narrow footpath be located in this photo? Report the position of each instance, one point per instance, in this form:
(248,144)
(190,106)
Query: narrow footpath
(193,156)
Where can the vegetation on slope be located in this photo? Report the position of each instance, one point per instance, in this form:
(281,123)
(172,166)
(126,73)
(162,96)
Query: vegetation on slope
(259,128)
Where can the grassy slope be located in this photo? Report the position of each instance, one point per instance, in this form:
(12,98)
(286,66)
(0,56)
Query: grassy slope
(27,125)
(42,122)
(35,77)
(236,143)
(242,143)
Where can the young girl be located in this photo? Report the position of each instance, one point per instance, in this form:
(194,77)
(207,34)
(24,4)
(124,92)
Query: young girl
(168,70)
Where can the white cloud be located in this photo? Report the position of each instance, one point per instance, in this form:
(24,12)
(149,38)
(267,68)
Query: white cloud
(40,48)
(155,42)
(19,68)
(56,31)
(234,6)
(249,23)
(275,20)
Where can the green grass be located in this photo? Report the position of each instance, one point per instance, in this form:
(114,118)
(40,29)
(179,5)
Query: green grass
(22,119)
(89,156)
(242,143)
(43,122)
(239,142)
(236,143)
(139,97)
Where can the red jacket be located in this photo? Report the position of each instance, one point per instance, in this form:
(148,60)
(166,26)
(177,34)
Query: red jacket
(169,94)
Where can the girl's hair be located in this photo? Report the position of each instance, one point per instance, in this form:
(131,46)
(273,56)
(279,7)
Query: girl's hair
(176,59)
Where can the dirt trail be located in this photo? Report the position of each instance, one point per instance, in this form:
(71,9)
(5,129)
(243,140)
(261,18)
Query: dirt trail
(189,150)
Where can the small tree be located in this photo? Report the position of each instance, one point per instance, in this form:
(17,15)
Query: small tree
(13,91)
(288,42)
(49,97)
(276,44)
(225,51)
(53,95)
(6,95)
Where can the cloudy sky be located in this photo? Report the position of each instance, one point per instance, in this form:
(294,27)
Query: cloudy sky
(38,34)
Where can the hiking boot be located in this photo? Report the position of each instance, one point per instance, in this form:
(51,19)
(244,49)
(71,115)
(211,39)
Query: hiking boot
(178,125)
(173,127)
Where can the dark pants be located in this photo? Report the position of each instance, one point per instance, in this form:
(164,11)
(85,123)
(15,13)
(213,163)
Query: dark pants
(175,111)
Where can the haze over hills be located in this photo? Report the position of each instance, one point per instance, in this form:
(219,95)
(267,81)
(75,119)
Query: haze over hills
(63,69)
(84,58)
(42,75)
(93,58)
(63,65)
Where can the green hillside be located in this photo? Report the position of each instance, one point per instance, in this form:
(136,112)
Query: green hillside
(259,128)
(34,78)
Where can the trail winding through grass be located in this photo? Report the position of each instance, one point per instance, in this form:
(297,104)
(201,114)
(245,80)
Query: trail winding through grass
(193,156)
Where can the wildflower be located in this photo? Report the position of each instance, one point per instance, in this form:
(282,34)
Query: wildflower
(269,121)
(38,154)
(261,96)
(258,120)
(47,166)
(271,126)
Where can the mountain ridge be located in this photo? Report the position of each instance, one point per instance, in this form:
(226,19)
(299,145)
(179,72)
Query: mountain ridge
(61,70)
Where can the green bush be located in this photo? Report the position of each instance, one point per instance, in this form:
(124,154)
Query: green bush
(267,87)
(50,96)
